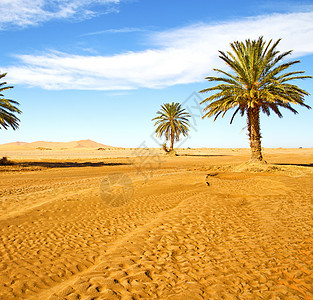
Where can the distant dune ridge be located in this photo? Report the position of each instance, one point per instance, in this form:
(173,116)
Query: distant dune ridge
(54,145)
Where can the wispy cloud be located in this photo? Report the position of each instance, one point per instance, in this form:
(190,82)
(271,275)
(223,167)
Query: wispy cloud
(116,30)
(179,56)
(23,13)
(286,6)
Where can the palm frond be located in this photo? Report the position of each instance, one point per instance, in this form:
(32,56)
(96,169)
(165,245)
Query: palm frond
(258,78)
(8,108)
(172,119)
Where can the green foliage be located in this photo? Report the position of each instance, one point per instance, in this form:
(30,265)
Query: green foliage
(8,108)
(257,81)
(172,121)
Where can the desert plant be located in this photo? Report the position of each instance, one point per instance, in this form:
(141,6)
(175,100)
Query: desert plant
(257,83)
(172,120)
(5,162)
(8,108)
(164,147)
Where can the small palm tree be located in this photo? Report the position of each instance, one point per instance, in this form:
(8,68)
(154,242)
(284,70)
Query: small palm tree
(172,120)
(257,84)
(8,108)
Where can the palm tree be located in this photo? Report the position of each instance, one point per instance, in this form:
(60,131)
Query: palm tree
(8,108)
(258,83)
(172,120)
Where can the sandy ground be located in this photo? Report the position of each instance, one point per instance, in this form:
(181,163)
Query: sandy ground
(203,225)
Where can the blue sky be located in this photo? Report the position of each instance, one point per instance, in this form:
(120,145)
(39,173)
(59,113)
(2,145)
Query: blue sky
(100,69)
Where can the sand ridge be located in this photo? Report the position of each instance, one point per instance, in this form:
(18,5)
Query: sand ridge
(44,145)
(246,235)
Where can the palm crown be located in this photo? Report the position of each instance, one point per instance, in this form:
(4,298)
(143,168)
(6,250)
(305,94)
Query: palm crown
(172,120)
(258,83)
(8,108)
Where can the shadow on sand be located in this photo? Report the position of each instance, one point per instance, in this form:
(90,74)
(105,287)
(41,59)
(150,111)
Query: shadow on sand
(203,155)
(299,165)
(68,164)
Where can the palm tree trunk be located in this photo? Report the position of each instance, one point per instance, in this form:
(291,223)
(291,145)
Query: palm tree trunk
(172,140)
(253,120)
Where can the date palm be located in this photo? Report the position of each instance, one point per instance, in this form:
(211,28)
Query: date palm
(258,82)
(172,121)
(8,108)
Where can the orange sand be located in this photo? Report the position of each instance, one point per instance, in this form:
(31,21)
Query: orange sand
(202,225)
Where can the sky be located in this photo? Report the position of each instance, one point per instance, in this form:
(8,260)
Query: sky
(101,69)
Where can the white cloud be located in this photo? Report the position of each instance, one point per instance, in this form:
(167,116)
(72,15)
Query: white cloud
(179,56)
(24,13)
(116,30)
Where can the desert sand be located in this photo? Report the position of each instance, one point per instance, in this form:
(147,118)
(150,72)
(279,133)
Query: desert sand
(133,223)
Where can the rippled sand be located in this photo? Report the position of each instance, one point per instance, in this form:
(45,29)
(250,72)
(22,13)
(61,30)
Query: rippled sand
(202,225)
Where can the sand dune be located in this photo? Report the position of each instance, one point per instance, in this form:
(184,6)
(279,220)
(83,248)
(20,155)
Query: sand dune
(53,145)
(190,227)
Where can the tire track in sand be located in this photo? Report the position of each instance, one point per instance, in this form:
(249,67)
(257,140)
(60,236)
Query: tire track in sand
(52,243)
(244,245)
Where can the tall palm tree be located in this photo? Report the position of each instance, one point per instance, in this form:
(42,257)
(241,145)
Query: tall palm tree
(172,120)
(257,83)
(8,108)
